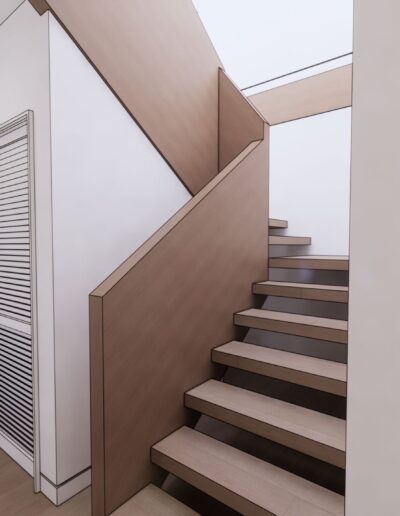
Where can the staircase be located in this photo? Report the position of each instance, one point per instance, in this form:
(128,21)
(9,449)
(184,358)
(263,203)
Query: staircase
(242,481)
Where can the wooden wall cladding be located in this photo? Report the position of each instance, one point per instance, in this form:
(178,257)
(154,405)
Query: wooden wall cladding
(159,61)
(239,122)
(311,96)
(156,319)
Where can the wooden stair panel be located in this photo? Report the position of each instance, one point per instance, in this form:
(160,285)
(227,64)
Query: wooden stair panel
(315,434)
(332,330)
(327,263)
(316,373)
(152,501)
(336,294)
(277,224)
(288,240)
(240,481)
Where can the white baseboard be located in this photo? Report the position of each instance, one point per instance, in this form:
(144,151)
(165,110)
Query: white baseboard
(63,492)
(57,494)
(16,453)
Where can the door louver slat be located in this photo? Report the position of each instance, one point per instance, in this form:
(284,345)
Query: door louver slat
(16,387)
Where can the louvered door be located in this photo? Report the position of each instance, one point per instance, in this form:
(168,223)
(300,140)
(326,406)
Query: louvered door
(16,371)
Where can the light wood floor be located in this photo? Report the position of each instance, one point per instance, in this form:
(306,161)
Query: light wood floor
(18,499)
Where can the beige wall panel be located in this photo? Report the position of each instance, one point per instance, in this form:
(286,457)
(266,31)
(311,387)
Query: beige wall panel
(373,431)
(239,122)
(163,312)
(317,94)
(157,58)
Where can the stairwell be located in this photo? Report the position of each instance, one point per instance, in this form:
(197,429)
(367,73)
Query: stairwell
(271,436)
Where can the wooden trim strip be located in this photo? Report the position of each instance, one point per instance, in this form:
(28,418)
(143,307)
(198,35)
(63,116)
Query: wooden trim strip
(314,95)
(97,404)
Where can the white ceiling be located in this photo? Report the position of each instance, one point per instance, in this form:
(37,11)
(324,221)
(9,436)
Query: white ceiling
(262,39)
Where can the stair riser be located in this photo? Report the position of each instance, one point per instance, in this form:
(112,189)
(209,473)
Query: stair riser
(281,373)
(278,435)
(300,330)
(229,498)
(298,293)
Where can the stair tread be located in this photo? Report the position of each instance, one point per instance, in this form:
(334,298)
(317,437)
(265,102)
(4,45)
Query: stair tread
(245,483)
(309,320)
(309,424)
(308,291)
(321,262)
(288,240)
(277,223)
(152,501)
(310,286)
(285,359)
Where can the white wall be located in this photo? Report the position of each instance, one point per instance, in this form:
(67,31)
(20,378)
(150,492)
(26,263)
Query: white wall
(310,159)
(373,430)
(24,84)
(262,39)
(7,7)
(111,191)
(310,179)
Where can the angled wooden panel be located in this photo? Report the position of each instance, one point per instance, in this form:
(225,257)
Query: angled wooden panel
(162,315)
(311,96)
(160,63)
(239,122)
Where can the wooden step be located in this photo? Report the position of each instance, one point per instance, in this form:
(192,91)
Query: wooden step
(304,430)
(302,291)
(277,224)
(323,375)
(327,263)
(288,240)
(152,501)
(241,481)
(320,328)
